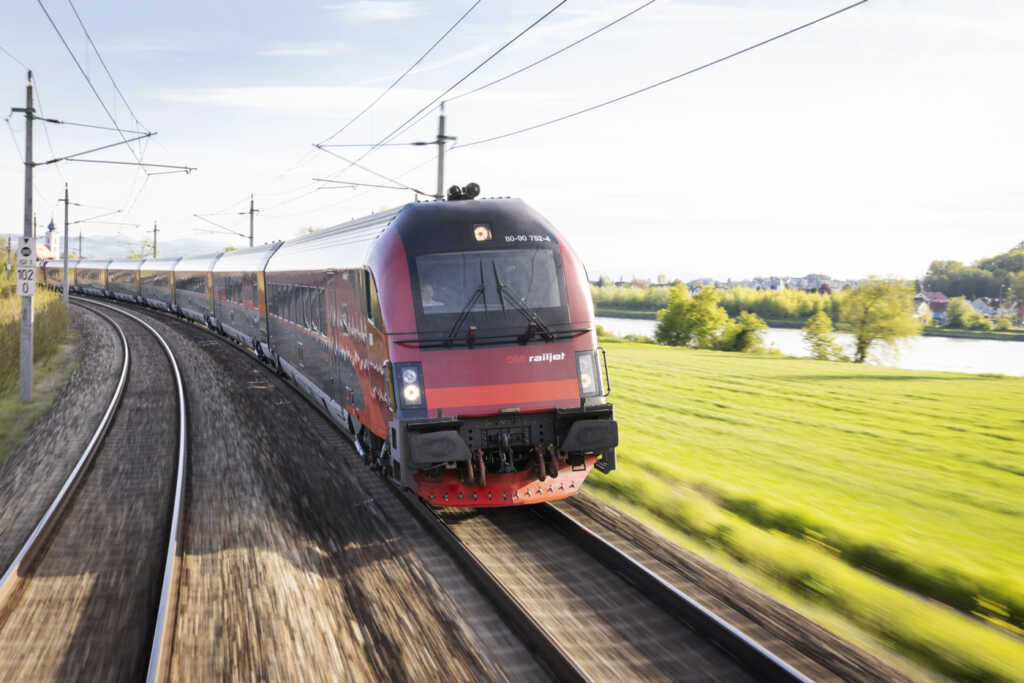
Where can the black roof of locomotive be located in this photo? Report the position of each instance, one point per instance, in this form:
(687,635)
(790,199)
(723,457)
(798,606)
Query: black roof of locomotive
(428,226)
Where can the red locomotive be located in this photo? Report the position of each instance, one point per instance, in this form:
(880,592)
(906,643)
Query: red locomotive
(454,340)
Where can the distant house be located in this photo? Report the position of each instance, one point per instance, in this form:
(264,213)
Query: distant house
(937,301)
(924,312)
(982,307)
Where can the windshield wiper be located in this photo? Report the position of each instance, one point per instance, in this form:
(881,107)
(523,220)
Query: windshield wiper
(480,291)
(536,324)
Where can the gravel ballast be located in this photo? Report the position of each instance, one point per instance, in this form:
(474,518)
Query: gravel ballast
(35,471)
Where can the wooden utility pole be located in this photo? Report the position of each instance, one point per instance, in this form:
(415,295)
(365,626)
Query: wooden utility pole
(154,239)
(25,369)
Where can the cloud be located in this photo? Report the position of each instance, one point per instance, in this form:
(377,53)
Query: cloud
(321,48)
(366,11)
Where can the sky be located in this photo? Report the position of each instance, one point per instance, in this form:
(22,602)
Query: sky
(869,144)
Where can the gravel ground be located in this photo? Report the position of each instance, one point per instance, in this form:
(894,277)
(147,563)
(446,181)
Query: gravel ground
(294,569)
(85,609)
(32,475)
(818,653)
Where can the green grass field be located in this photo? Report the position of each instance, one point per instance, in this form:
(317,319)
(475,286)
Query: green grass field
(53,361)
(892,497)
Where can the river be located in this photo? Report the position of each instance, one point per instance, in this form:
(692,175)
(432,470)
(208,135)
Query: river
(919,353)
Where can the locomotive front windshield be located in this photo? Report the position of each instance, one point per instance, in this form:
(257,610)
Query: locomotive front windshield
(448,283)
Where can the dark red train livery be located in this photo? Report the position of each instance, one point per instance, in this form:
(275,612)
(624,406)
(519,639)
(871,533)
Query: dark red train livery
(454,340)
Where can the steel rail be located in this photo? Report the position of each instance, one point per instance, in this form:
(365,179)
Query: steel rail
(163,632)
(752,656)
(546,646)
(37,539)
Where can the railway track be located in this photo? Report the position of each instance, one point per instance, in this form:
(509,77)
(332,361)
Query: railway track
(90,594)
(589,610)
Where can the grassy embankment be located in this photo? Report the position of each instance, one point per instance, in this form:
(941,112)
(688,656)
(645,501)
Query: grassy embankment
(1016,334)
(53,361)
(893,498)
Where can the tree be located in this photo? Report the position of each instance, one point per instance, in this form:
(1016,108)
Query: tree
(691,320)
(818,335)
(879,310)
(1017,287)
(955,279)
(145,252)
(960,314)
(745,333)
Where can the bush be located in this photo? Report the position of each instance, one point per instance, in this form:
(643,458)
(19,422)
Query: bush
(1004,323)
(695,321)
(961,315)
(745,334)
(981,323)
(818,335)
(630,298)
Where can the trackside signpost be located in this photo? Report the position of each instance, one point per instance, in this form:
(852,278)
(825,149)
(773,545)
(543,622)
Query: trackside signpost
(26,268)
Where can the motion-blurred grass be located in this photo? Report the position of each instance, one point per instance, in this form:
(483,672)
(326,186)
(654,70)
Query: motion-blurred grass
(854,486)
(50,328)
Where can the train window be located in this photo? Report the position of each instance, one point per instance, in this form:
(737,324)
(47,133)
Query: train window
(373,301)
(448,281)
(321,314)
(195,283)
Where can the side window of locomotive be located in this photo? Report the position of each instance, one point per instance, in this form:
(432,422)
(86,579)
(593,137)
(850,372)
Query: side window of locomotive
(374,302)
(360,291)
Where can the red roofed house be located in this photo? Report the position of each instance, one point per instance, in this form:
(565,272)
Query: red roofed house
(937,301)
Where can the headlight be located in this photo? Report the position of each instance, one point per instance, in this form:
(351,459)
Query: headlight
(588,373)
(410,377)
(411,394)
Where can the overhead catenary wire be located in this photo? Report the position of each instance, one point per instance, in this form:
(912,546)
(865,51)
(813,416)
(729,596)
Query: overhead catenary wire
(104,64)
(349,200)
(90,125)
(531,64)
(456,84)
(20,63)
(86,77)
(403,75)
(46,128)
(398,185)
(662,82)
(557,52)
